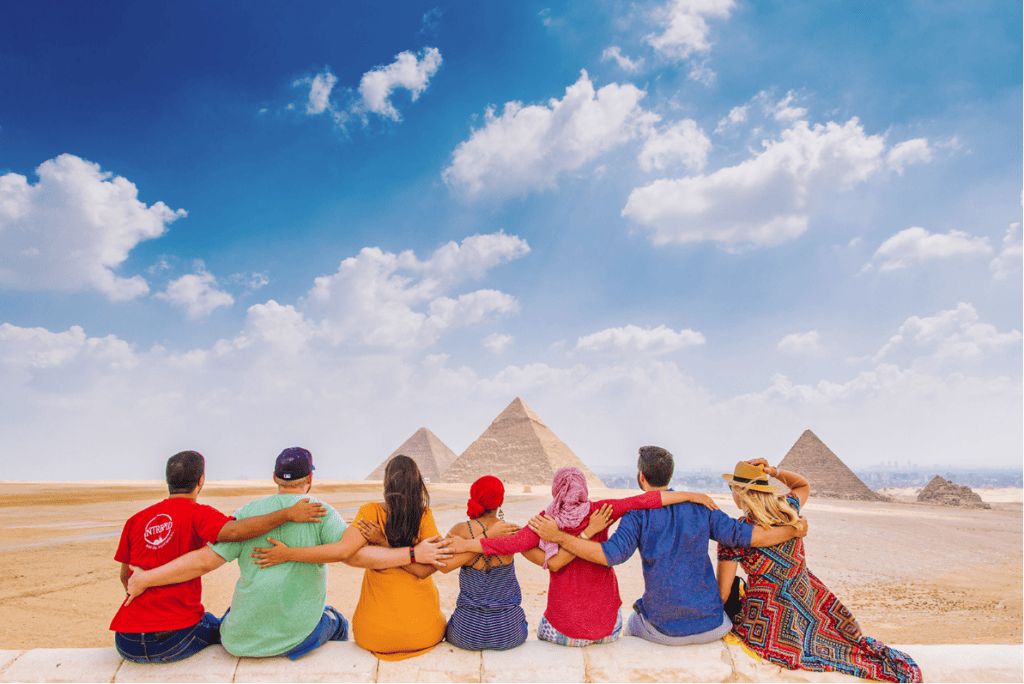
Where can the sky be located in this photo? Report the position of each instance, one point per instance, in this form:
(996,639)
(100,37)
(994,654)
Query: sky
(703,224)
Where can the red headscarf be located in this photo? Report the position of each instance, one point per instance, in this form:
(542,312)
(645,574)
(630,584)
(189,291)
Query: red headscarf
(486,494)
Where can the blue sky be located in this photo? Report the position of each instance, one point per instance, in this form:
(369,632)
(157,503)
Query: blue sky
(704,224)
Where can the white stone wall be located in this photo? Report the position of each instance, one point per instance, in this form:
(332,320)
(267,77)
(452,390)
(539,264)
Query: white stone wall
(627,660)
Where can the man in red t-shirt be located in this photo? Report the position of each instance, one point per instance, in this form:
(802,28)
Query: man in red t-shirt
(169,623)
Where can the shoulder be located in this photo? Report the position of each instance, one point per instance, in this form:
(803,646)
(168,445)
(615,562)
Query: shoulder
(460,530)
(373,511)
(793,500)
(205,510)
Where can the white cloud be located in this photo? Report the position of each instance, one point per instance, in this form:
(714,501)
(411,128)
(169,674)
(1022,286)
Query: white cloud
(624,62)
(376,86)
(284,384)
(196,293)
(916,245)
(953,333)
(320,92)
(763,200)
(38,348)
(378,298)
(527,148)
(702,73)
(251,281)
(736,115)
(800,343)
(914,151)
(684,26)
(407,71)
(1009,259)
(682,143)
(72,229)
(497,343)
(784,112)
(633,339)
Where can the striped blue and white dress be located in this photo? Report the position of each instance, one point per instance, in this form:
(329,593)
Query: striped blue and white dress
(488,614)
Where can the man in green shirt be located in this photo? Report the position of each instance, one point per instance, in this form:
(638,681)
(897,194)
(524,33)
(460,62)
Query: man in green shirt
(281,610)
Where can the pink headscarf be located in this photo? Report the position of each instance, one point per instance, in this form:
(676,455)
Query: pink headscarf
(570,505)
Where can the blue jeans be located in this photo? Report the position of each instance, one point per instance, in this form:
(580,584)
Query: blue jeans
(333,627)
(169,646)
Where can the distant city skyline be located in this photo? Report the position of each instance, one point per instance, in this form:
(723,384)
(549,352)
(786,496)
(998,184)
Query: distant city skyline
(706,225)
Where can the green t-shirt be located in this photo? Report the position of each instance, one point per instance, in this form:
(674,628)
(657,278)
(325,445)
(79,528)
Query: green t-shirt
(274,609)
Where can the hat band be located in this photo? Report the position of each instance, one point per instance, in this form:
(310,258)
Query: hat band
(747,480)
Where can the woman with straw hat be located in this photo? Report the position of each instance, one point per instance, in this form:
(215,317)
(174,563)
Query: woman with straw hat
(788,616)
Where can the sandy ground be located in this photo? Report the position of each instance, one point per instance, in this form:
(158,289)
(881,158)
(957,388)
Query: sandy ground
(911,573)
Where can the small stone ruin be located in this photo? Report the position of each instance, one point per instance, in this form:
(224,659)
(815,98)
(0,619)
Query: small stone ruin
(942,492)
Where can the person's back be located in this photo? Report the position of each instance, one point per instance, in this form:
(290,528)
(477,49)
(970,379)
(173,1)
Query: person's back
(157,535)
(398,614)
(274,609)
(681,594)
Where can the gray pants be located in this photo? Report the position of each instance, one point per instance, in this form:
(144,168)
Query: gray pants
(638,626)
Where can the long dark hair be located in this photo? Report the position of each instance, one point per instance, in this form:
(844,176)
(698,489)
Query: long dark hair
(406,498)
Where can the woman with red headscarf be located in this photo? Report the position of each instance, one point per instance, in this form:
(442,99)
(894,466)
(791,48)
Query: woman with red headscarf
(488,614)
(583,597)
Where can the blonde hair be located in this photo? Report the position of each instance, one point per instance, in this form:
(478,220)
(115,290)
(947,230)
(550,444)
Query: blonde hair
(766,509)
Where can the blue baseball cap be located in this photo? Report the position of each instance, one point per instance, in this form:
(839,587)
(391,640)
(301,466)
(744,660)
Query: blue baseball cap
(294,463)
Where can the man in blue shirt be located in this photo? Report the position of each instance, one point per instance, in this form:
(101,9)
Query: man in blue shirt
(681,602)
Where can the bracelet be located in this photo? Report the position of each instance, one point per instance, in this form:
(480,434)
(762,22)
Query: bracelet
(412,554)
(583,536)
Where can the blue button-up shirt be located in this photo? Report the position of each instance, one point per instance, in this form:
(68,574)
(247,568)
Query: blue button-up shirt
(681,594)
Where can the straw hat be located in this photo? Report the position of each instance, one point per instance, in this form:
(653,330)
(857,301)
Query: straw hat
(750,477)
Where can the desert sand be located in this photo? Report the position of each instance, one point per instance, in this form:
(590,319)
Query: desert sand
(911,573)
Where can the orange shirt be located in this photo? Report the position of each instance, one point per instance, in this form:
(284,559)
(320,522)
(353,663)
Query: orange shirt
(398,615)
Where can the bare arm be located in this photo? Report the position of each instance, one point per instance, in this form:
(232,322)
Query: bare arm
(420,570)
(777,535)
(668,498)
(340,551)
(555,563)
(459,559)
(797,484)
(726,574)
(125,571)
(574,547)
(181,569)
(249,528)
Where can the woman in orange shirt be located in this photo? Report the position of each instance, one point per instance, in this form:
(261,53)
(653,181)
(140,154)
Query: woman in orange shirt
(398,615)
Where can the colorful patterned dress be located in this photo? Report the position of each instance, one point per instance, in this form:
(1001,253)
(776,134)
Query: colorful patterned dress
(790,618)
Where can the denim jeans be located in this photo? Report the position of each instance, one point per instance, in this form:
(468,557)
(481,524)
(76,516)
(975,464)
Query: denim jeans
(169,646)
(333,627)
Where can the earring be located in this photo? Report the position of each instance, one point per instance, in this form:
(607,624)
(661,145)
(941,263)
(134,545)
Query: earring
(501,514)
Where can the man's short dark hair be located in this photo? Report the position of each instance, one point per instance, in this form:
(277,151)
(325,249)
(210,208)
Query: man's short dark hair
(657,465)
(184,470)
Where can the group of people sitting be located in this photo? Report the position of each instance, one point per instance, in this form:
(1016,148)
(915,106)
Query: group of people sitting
(782,613)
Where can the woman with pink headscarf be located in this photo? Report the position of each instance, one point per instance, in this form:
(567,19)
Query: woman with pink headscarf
(568,620)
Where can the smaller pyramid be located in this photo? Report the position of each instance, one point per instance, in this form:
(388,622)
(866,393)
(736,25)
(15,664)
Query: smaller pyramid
(431,455)
(517,448)
(829,477)
(944,493)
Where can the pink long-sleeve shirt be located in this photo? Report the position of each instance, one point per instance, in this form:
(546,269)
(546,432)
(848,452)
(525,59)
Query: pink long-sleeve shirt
(583,597)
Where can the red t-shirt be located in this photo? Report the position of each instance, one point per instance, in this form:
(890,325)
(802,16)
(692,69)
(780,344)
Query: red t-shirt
(155,536)
(583,597)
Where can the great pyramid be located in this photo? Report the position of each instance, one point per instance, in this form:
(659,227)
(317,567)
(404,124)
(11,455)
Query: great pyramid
(517,448)
(829,477)
(944,493)
(431,455)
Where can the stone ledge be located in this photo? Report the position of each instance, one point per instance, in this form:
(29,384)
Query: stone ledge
(627,660)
